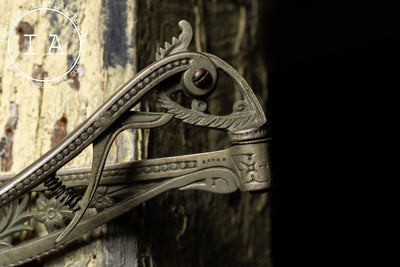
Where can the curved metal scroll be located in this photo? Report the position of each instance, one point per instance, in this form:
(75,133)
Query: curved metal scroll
(243,166)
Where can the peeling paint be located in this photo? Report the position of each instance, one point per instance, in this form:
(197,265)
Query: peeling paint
(6,143)
(60,130)
(74,75)
(116,39)
(24,28)
(39,73)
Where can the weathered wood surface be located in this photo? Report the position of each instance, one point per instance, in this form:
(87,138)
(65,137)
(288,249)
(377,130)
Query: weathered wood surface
(204,229)
(176,228)
(35,119)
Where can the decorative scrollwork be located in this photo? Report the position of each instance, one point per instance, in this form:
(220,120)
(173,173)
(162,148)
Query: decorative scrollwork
(199,105)
(240,106)
(195,116)
(216,180)
(115,189)
(249,167)
(178,45)
(101,199)
(13,220)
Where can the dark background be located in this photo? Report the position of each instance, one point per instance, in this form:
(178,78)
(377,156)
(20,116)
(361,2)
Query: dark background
(332,79)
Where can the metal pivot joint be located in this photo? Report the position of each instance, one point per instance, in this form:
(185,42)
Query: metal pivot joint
(122,186)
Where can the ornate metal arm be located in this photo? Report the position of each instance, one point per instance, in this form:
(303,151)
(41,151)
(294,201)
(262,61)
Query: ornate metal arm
(244,166)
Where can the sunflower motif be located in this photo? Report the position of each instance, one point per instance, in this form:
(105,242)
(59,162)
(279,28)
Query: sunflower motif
(51,213)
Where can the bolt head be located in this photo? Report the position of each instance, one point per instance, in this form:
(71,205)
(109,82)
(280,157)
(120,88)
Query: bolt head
(202,78)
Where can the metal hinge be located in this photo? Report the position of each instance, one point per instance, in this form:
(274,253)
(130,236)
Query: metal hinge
(244,166)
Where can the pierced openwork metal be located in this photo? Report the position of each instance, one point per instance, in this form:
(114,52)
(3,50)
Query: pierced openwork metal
(116,188)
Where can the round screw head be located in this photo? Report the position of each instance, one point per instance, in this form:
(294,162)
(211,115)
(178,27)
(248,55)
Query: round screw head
(202,78)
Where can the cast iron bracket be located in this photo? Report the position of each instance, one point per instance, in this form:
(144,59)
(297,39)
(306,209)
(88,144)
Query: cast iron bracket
(121,187)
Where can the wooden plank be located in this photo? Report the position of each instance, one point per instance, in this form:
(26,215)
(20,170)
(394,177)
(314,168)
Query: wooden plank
(199,228)
(35,119)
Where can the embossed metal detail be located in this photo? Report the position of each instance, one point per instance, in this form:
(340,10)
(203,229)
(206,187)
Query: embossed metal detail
(112,190)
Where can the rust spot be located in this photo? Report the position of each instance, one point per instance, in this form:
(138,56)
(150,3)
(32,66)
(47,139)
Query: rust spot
(9,130)
(74,76)
(24,28)
(60,130)
(6,143)
(39,73)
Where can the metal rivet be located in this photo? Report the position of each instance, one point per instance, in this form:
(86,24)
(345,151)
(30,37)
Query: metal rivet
(53,162)
(202,78)
(46,167)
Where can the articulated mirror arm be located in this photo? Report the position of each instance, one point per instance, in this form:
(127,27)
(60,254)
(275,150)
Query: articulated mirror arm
(244,166)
